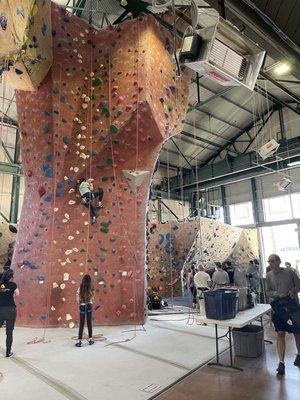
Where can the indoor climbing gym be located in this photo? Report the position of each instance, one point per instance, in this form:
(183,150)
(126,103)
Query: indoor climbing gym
(149,199)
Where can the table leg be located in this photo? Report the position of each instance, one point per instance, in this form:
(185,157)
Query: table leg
(230,347)
(217,363)
(217,343)
(265,340)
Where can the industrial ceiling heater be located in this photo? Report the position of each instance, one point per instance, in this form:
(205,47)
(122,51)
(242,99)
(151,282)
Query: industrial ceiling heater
(224,54)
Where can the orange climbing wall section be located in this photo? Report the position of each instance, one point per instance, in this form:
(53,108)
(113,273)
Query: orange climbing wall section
(109,101)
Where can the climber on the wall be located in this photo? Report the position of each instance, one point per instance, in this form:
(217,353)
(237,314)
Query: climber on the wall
(85,187)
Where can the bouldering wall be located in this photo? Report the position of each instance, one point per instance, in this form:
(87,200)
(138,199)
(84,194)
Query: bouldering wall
(7,239)
(108,103)
(25,42)
(172,244)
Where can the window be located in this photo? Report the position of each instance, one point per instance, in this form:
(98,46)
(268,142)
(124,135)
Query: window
(277,208)
(5,194)
(241,214)
(281,240)
(295,199)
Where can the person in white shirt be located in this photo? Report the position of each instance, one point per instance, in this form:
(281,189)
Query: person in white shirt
(220,278)
(202,282)
(87,194)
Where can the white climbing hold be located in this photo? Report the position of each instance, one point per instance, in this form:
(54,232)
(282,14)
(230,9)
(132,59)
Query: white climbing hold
(67,252)
(83,128)
(75,250)
(87,99)
(68,317)
(65,221)
(71,202)
(82,155)
(86,223)
(54,285)
(84,105)
(53,308)
(71,325)
(67,216)
(83,95)
(68,261)
(76,169)
(63,299)
(70,237)
(66,276)
(63,263)
(62,286)
(66,178)
(55,209)
(71,190)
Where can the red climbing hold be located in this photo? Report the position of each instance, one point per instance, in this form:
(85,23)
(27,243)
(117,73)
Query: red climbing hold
(42,191)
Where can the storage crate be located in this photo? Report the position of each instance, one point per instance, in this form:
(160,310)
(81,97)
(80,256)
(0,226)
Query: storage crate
(220,304)
(249,341)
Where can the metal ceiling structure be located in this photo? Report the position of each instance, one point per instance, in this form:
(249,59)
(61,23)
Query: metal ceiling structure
(220,122)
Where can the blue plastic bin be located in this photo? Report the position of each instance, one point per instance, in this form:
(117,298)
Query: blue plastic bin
(220,304)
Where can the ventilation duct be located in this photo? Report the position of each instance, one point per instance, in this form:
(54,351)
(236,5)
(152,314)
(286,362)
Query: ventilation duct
(224,54)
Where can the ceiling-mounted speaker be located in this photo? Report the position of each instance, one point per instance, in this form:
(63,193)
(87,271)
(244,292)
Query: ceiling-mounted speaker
(224,54)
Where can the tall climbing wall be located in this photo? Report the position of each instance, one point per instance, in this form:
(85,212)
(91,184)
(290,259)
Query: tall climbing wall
(173,243)
(109,101)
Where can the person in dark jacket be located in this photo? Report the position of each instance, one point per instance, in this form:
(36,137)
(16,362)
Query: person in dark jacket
(8,290)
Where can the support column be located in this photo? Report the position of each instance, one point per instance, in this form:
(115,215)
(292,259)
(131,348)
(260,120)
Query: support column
(227,219)
(255,202)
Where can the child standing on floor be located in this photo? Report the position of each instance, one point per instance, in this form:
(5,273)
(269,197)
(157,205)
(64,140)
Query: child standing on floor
(85,296)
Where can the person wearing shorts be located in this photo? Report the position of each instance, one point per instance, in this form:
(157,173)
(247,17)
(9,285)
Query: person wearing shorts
(282,288)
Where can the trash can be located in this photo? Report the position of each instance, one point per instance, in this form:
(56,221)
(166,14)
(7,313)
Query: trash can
(220,304)
(249,341)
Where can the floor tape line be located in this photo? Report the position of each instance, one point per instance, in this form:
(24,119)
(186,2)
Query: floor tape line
(59,386)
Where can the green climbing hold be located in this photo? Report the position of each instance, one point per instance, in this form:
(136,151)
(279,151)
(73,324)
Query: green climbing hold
(104,229)
(94,96)
(105,224)
(109,161)
(170,107)
(114,129)
(105,178)
(97,81)
(106,112)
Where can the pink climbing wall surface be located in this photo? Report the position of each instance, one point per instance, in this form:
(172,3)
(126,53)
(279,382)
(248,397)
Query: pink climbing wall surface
(109,101)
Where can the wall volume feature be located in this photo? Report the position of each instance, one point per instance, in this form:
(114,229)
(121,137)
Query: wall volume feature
(103,111)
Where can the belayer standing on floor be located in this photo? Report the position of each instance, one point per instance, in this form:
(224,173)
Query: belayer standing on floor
(85,296)
(8,314)
(282,287)
(88,195)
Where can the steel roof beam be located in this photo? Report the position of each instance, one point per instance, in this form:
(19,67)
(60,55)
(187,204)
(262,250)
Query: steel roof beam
(247,129)
(275,99)
(206,130)
(220,119)
(223,97)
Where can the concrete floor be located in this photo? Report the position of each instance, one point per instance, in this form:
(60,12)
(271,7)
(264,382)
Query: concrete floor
(169,348)
(258,381)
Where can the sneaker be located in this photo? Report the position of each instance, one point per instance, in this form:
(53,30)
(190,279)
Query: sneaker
(100,205)
(281,369)
(78,344)
(297,361)
(9,354)
(91,342)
